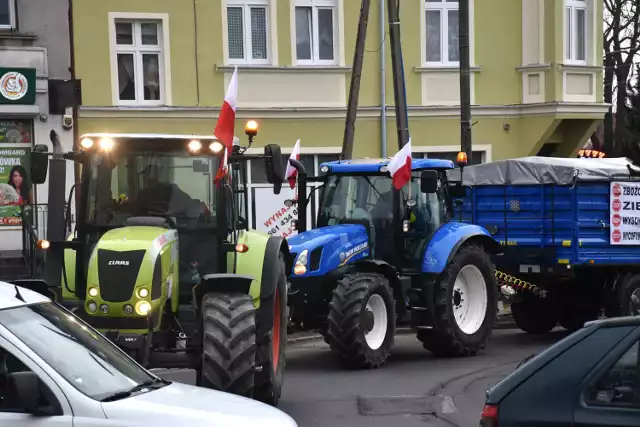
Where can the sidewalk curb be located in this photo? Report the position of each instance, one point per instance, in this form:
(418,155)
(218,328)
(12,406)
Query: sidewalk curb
(501,323)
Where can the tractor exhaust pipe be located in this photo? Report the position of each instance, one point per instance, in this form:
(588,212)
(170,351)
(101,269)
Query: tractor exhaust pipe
(56,211)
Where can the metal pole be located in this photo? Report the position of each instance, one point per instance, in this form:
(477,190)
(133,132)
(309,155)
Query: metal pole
(465,79)
(354,89)
(383,82)
(399,94)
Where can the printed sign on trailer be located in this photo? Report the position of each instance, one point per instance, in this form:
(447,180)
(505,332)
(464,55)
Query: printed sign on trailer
(624,213)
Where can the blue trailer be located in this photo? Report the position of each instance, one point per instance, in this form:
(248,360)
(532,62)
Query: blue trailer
(570,229)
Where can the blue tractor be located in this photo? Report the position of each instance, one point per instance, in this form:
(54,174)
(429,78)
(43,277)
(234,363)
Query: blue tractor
(379,257)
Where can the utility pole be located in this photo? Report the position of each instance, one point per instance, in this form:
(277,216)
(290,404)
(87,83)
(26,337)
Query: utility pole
(354,89)
(399,92)
(465,78)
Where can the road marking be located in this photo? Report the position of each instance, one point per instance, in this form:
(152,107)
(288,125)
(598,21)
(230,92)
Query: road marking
(448,405)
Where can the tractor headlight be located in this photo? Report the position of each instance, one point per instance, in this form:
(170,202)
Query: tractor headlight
(302,258)
(92,307)
(93,292)
(106,144)
(128,309)
(143,308)
(104,309)
(143,292)
(324,168)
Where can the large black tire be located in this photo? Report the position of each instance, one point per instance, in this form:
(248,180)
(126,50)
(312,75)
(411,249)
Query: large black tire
(229,343)
(535,315)
(627,297)
(573,315)
(446,339)
(272,343)
(349,320)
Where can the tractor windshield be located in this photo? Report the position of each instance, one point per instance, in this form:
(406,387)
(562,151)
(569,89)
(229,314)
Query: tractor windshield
(369,200)
(168,184)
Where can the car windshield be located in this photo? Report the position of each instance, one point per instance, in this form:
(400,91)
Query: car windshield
(171,184)
(88,361)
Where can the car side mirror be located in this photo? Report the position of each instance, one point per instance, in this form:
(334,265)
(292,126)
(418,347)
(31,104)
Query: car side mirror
(39,164)
(274,166)
(29,394)
(429,181)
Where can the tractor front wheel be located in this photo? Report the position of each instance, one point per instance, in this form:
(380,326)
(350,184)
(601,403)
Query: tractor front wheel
(465,300)
(228,343)
(272,342)
(362,320)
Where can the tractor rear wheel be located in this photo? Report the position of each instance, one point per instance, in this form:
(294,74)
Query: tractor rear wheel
(362,320)
(535,315)
(465,300)
(229,343)
(272,343)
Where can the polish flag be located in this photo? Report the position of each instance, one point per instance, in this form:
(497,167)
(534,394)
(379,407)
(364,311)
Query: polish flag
(292,172)
(400,166)
(226,120)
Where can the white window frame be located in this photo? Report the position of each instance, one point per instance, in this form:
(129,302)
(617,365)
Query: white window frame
(162,49)
(12,16)
(247,5)
(315,5)
(570,39)
(444,7)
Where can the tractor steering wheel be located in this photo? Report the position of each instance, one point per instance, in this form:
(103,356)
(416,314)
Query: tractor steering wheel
(157,210)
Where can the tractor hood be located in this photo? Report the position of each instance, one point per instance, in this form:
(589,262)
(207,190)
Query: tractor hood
(126,257)
(329,247)
(181,404)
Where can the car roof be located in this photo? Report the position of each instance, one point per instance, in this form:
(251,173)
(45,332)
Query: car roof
(9,298)
(369,165)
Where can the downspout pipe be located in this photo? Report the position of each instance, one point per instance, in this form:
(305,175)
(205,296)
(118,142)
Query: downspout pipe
(383,82)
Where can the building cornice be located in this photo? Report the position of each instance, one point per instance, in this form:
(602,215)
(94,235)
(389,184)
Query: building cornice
(517,110)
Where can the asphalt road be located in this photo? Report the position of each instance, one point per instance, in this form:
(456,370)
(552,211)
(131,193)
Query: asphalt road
(412,389)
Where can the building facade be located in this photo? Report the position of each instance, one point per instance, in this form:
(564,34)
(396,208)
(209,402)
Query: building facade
(164,65)
(34,54)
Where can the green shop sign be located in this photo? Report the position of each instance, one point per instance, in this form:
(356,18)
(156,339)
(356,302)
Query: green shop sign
(18,86)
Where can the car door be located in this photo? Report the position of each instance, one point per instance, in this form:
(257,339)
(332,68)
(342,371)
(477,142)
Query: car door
(16,367)
(610,394)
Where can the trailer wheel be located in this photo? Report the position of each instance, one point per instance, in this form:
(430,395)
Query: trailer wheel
(271,343)
(229,343)
(465,299)
(534,315)
(362,320)
(629,296)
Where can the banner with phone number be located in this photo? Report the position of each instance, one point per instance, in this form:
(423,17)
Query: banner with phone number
(624,211)
(272,215)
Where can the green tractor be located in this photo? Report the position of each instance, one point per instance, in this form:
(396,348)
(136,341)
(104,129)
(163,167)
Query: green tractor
(162,260)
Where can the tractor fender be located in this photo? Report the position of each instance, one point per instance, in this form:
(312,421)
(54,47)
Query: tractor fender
(276,245)
(378,266)
(222,283)
(449,238)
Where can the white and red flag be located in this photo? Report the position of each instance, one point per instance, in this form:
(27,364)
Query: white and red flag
(292,173)
(225,127)
(400,166)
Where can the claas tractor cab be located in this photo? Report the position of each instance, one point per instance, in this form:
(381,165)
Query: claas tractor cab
(381,256)
(162,261)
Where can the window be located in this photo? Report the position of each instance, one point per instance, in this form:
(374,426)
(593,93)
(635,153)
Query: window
(139,62)
(7,14)
(620,386)
(316,32)
(441,27)
(248,31)
(576,31)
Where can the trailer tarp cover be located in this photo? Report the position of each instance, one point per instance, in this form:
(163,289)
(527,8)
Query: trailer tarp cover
(543,170)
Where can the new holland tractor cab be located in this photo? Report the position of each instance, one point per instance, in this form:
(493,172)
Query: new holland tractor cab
(163,263)
(380,256)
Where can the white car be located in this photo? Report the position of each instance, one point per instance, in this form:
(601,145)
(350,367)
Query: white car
(56,371)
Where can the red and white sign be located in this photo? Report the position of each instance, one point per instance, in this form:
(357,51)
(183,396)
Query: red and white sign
(271,214)
(624,216)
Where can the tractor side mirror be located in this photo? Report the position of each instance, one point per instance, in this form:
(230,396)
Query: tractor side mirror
(429,181)
(274,166)
(39,164)
(458,191)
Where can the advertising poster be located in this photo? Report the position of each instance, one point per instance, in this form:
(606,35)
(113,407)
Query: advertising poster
(270,213)
(15,184)
(624,210)
(15,131)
